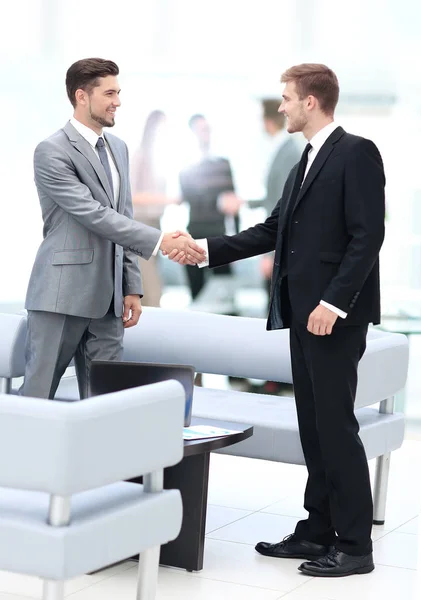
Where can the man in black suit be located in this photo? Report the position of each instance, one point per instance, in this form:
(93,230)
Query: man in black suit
(327,231)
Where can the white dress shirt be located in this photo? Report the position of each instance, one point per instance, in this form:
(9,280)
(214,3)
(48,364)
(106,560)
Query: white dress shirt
(92,138)
(316,142)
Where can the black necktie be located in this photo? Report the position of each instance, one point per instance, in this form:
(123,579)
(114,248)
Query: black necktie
(301,169)
(100,145)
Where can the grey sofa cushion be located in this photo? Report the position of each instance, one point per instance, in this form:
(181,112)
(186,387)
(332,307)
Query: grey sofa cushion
(108,524)
(275,435)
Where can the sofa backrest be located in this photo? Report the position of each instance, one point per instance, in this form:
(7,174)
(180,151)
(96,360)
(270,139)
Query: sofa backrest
(67,447)
(242,347)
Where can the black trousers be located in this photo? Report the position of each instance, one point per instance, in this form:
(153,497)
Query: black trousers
(338,493)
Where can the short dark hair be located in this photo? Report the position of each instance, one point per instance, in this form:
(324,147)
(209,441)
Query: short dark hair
(194,118)
(84,75)
(270,111)
(316,80)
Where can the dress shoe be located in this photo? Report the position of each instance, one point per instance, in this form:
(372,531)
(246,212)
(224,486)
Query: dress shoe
(338,564)
(292,547)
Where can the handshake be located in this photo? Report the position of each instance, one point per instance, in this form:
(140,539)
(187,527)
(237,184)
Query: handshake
(181,248)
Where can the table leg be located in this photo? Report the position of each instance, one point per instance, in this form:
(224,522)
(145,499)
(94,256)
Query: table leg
(191,478)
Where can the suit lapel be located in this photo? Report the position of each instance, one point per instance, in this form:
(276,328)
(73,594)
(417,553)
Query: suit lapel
(118,163)
(82,146)
(322,156)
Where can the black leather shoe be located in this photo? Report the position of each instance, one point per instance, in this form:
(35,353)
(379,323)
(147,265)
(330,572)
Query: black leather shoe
(338,564)
(291,547)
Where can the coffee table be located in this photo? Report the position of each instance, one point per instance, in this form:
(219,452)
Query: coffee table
(191,476)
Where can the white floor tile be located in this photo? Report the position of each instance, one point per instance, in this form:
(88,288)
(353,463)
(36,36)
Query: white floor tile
(14,597)
(244,483)
(13,583)
(378,531)
(384,583)
(241,564)
(413,526)
(219,516)
(297,595)
(256,528)
(174,585)
(292,506)
(398,550)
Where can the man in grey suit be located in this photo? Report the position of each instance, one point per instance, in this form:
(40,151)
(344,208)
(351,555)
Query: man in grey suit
(85,285)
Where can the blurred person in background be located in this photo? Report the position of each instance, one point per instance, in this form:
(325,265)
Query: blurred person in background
(208,188)
(149,193)
(284,154)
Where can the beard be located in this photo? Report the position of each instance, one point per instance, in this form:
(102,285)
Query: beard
(298,124)
(101,120)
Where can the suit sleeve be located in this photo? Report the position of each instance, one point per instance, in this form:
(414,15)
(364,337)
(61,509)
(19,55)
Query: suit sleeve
(364,206)
(256,240)
(56,178)
(132,281)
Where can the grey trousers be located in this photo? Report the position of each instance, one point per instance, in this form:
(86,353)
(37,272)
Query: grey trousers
(54,339)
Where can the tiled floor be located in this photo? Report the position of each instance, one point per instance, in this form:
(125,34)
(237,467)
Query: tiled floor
(249,501)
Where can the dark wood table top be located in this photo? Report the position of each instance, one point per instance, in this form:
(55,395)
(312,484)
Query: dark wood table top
(192,447)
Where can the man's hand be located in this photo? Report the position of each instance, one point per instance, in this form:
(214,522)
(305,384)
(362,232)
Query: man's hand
(266,266)
(229,203)
(181,247)
(132,310)
(321,321)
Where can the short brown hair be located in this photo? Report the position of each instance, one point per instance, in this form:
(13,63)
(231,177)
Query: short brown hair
(84,75)
(270,111)
(316,80)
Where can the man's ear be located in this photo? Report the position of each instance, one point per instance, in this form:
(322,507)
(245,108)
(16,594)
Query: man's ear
(81,96)
(312,102)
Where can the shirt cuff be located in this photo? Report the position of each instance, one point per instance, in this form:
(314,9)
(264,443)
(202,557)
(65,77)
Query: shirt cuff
(334,309)
(203,244)
(156,249)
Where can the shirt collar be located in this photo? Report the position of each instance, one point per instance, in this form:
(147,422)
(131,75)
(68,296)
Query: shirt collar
(89,134)
(321,136)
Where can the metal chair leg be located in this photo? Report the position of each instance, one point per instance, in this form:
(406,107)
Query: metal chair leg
(380,488)
(58,516)
(148,574)
(153,483)
(387,406)
(53,590)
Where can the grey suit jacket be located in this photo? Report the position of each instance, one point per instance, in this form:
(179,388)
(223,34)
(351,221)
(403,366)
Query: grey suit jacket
(285,159)
(90,241)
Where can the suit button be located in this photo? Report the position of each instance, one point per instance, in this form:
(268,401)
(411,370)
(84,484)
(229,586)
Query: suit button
(292,251)
(295,222)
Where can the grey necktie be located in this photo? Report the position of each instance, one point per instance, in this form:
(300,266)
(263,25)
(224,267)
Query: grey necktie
(100,145)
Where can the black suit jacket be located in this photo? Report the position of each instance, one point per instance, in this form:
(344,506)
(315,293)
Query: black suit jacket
(335,232)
